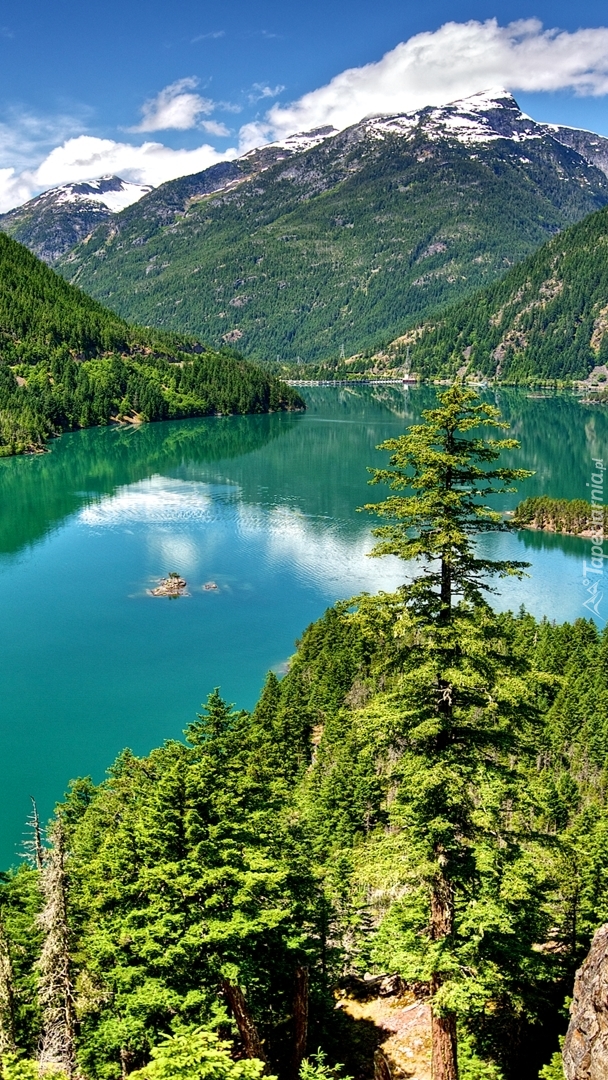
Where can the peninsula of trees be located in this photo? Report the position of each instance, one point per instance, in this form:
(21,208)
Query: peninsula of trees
(423,797)
(67,362)
(575,516)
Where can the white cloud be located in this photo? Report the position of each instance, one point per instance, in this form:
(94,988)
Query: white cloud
(259,91)
(206,37)
(25,137)
(455,61)
(213,127)
(86,157)
(176,107)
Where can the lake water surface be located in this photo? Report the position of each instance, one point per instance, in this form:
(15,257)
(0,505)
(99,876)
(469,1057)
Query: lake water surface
(265,507)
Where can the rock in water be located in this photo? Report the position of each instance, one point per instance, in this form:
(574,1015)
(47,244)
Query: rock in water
(173,585)
(586,1045)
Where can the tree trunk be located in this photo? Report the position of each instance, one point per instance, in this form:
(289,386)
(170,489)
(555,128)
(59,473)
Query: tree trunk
(300,1017)
(444,1053)
(127,1062)
(382,1069)
(55,989)
(446,590)
(32,848)
(7,998)
(252,1044)
(443,1034)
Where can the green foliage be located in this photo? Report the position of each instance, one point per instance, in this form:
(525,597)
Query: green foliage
(544,320)
(297,833)
(20,904)
(315,1068)
(342,247)
(421,753)
(444,463)
(554,1070)
(470,1065)
(197,1054)
(202,880)
(560,515)
(16,1067)
(67,362)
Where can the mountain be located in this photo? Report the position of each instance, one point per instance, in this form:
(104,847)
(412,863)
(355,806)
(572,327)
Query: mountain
(55,221)
(68,362)
(594,148)
(546,319)
(332,240)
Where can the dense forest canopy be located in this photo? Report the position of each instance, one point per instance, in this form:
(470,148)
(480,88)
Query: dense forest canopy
(67,362)
(545,319)
(561,515)
(422,796)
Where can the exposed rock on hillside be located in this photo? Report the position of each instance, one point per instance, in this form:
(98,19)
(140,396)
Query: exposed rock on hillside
(586,1046)
(594,148)
(389,1025)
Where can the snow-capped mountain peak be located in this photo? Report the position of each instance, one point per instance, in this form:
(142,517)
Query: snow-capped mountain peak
(483,117)
(59,218)
(495,97)
(109,191)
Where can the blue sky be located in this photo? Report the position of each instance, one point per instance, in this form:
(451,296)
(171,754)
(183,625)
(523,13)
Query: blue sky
(192,75)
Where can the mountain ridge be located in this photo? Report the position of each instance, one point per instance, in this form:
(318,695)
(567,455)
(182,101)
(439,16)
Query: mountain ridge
(546,319)
(30,223)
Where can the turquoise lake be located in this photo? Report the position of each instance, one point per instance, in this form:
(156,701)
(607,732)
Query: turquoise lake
(265,507)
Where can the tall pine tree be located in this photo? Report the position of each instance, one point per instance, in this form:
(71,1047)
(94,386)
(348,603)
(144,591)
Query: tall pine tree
(462,696)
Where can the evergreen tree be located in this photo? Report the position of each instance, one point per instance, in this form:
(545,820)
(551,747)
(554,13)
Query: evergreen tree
(7,997)
(462,697)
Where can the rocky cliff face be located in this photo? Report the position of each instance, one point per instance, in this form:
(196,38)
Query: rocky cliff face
(586,1046)
(593,148)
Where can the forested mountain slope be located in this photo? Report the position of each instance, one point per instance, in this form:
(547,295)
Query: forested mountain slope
(355,236)
(66,361)
(547,318)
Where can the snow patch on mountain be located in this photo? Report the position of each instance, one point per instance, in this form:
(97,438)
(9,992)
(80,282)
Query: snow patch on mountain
(484,117)
(111,192)
(305,140)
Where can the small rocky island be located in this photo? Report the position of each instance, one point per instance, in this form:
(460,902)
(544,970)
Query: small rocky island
(172,585)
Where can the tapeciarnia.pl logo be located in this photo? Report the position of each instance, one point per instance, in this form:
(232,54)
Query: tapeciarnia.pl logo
(593,571)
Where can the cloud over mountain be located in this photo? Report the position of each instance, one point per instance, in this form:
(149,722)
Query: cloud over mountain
(431,68)
(86,157)
(453,62)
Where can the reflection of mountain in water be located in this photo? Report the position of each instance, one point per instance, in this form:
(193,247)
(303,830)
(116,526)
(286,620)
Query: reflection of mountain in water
(38,493)
(559,438)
